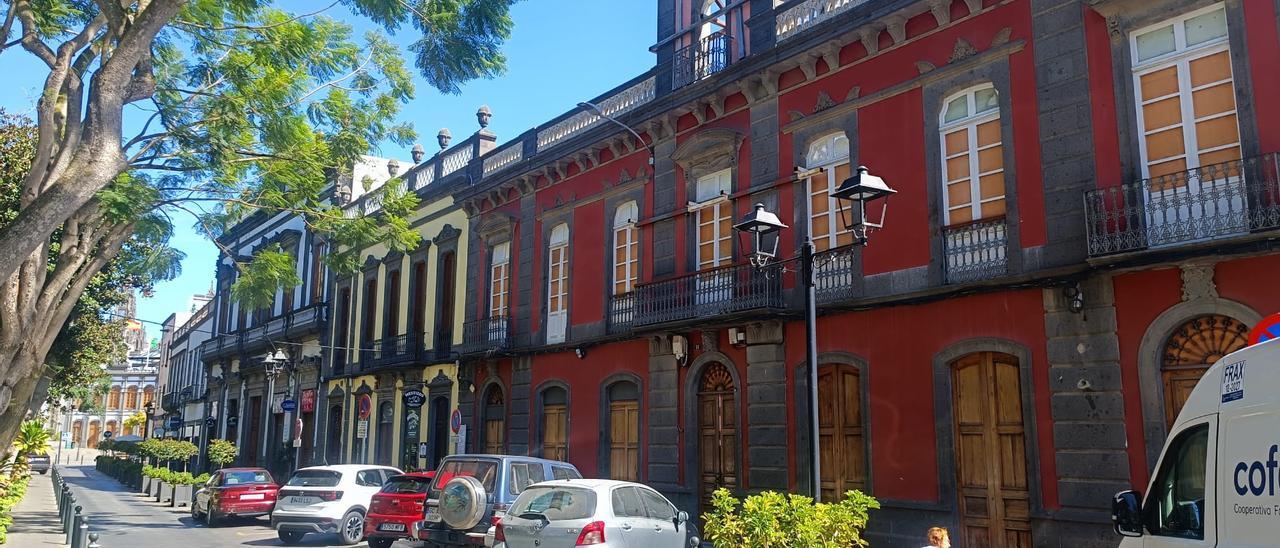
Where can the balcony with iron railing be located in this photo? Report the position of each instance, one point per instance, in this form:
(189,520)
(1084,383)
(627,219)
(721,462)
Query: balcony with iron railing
(705,56)
(622,312)
(1216,202)
(395,351)
(808,14)
(975,251)
(303,321)
(486,334)
(723,291)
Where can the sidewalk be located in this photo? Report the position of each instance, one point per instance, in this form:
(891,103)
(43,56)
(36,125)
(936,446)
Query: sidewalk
(35,518)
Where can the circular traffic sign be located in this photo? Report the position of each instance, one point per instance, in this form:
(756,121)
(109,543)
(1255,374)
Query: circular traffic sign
(1267,329)
(364,407)
(455,421)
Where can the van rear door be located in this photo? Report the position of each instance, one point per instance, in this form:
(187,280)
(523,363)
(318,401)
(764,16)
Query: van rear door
(1180,509)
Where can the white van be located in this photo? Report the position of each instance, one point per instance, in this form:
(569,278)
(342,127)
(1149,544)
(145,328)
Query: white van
(1218,477)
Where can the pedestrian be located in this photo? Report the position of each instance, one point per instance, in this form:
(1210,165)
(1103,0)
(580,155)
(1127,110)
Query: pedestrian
(938,538)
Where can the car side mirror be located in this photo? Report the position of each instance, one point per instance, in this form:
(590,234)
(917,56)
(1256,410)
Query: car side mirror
(682,517)
(1126,513)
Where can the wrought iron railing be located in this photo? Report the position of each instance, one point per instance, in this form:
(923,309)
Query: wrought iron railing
(1206,203)
(833,273)
(486,333)
(975,251)
(370,353)
(622,312)
(714,292)
(708,55)
(809,14)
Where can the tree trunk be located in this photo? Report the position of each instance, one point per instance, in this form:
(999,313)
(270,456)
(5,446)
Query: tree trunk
(13,415)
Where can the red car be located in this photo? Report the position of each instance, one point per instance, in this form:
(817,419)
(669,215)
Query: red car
(232,492)
(393,509)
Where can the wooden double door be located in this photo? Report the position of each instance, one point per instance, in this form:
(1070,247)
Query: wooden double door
(717,433)
(991,457)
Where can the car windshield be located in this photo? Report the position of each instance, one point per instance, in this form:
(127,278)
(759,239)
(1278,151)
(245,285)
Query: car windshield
(314,478)
(555,503)
(406,485)
(484,470)
(241,477)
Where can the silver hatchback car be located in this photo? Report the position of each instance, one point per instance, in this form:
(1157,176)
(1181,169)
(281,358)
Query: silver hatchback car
(600,513)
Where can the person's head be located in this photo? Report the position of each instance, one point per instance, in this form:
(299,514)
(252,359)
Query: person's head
(938,537)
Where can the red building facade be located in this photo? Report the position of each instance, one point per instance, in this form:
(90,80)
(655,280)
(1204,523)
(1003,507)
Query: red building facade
(1087,194)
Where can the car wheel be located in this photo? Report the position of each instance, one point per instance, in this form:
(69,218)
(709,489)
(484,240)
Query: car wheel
(290,537)
(381,542)
(211,520)
(43,472)
(352,528)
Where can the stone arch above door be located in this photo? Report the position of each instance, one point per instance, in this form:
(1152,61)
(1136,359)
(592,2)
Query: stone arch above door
(1150,358)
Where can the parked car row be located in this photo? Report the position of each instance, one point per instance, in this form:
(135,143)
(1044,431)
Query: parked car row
(471,500)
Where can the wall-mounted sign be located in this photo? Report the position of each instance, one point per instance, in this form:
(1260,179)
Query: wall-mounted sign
(414,398)
(288,405)
(309,400)
(460,440)
(364,407)
(276,401)
(422,450)
(362,429)
(232,421)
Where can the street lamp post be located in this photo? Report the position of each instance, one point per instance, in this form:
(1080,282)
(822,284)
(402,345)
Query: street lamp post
(765,228)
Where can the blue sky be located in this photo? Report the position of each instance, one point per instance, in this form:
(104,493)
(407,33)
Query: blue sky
(561,52)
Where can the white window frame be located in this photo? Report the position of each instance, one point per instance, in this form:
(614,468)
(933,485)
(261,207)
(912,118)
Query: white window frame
(500,260)
(838,154)
(712,190)
(970,124)
(625,239)
(557,317)
(1181,56)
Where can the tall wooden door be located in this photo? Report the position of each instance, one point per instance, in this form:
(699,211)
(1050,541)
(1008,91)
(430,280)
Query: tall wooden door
(1190,350)
(717,432)
(250,455)
(555,435)
(495,423)
(840,427)
(95,430)
(624,440)
(995,503)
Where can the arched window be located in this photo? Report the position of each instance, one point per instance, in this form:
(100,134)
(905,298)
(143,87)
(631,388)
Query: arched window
(717,24)
(557,283)
(494,414)
(131,398)
(972,156)
(111,427)
(622,429)
(555,424)
(831,153)
(148,393)
(113,398)
(626,248)
(95,431)
(1191,349)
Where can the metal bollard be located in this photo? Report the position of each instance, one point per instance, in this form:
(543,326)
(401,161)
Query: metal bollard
(76,520)
(67,512)
(93,541)
(82,535)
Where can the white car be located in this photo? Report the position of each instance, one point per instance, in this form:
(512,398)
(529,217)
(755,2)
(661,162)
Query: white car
(328,499)
(600,513)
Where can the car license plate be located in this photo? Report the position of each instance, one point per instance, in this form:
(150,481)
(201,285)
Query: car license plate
(304,500)
(391,527)
(257,496)
(433,514)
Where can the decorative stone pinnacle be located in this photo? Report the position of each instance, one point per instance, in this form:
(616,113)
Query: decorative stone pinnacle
(483,115)
(443,138)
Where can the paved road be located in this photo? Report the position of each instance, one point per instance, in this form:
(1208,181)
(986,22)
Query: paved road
(128,520)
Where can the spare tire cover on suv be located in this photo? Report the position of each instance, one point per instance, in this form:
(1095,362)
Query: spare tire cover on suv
(462,502)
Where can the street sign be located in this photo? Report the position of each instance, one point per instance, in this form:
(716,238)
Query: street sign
(362,429)
(175,423)
(460,440)
(107,434)
(288,405)
(455,421)
(414,398)
(422,450)
(364,407)
(66,436)
(1267,329)
(308,400)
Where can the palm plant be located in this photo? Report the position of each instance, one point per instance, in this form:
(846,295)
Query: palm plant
(33,438)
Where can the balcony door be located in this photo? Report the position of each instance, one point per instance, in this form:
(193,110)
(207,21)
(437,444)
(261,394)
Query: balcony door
(713,212)
(1189,134)
(557,284)
(991,451)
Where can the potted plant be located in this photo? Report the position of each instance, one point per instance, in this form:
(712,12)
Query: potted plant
(168,479)
(182,482)
(156,480)
(221,453)
(146,478)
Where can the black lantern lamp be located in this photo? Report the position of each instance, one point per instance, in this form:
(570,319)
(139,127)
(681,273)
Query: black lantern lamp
(861,190)
(764,228)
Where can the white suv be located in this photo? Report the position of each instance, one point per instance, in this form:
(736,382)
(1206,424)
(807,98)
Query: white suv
(328,499)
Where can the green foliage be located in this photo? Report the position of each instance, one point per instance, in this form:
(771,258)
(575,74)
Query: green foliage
(136,420)
(221,452)
(10,495)
(270,269)
(776,520)
(33,439)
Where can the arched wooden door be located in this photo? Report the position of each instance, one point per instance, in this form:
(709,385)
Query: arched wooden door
(717,432)
(76,429)
(840,427)
(495,423)
(1190,350)
(991,467)
(95,430)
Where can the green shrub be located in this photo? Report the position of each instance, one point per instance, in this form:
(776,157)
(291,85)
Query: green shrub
(202,479)
(221,452)
(775,520)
